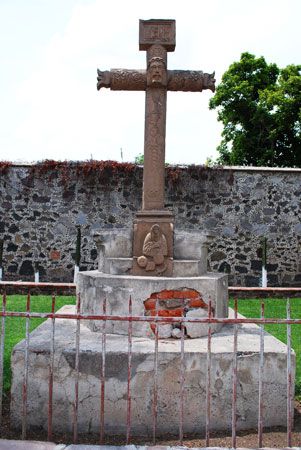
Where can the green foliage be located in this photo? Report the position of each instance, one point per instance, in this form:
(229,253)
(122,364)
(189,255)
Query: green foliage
(260,108)
(210,162)
(15,326)
(276,308)
(139,159)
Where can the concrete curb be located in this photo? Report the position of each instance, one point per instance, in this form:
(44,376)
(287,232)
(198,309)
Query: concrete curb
(6,444)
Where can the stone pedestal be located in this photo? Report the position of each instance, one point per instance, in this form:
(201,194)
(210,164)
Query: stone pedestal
(185,294)
(95,286)
(142,381)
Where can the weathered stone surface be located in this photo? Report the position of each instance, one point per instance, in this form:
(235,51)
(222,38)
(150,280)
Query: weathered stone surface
(98,447)
(196,194)
(117,243)
(11,444)
(177,303)
(26,268)
(95,286)
(218,256)
(24,445)
(153,234)
(164,330)
(118,266)
(176,333)
(181,268)
(153,244)
(195,330)
(157,447)
(195,365)
(190,245)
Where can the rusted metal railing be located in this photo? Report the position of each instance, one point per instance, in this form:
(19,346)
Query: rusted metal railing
(157,320)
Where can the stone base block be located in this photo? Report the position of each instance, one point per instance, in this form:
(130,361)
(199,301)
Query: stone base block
(181,268)
(142,381)
(94,287)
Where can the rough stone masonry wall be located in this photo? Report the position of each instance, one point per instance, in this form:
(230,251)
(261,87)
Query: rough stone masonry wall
(39,211)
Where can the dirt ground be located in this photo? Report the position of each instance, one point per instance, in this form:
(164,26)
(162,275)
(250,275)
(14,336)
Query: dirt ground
(273,437)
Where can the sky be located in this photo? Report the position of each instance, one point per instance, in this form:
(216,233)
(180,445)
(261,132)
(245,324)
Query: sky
(50,50)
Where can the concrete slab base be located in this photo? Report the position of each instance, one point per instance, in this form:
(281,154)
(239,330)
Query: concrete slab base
(11,444)
(34,445)
(142,381)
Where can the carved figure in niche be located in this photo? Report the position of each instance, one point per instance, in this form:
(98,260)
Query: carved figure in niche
(156,73)
(154,250)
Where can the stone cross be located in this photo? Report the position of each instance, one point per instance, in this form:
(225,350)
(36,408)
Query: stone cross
(156,37)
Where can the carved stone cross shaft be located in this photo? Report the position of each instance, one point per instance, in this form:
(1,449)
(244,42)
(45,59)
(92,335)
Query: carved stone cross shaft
(157,37)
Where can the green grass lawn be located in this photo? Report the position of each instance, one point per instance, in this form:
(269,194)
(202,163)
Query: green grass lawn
(15,326)
(276,308)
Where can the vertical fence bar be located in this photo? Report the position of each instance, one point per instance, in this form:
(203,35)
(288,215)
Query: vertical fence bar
(2,351)
(182,380)
(155,400)
(260,380)
(103,373)
(208,378)
(77,342)
(26,362)
(289,376)
(51,364)
(128,417)
(234,378)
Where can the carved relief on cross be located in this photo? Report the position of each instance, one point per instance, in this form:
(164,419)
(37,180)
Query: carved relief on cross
(157,37)
(153,227)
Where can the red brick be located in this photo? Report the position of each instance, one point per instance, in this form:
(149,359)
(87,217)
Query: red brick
(175,293)
(150,303)
(163,313)
(178,312)
(165,295)
(187,293)
(197,303)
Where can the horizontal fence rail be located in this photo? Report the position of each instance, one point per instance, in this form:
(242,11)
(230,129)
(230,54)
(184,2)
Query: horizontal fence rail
(129,318)
(104,317)
(253,291)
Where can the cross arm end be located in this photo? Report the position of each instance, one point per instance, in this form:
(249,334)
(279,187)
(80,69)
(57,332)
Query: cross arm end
(103,79)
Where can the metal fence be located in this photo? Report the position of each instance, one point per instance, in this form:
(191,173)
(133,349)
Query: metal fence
(130,318)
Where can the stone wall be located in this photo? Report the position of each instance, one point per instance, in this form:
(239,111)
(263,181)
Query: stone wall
(39,210)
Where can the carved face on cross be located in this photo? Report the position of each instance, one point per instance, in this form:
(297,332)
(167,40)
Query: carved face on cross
(156,73)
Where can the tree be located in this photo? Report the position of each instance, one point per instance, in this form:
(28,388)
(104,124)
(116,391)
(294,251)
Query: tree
(260,108)
(139,159)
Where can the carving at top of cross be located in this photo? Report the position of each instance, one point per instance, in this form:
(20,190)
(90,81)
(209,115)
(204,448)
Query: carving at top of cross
(153,226)
(157,37)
